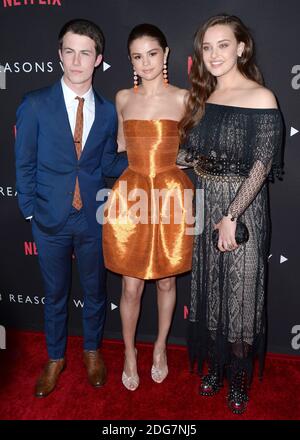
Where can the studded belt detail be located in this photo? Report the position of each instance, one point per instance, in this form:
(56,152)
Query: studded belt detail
(220,168)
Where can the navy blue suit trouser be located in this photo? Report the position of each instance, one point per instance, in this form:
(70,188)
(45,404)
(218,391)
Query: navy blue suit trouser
(55,259)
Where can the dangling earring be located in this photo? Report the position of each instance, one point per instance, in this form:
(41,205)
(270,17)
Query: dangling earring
(135,81)
(165,73)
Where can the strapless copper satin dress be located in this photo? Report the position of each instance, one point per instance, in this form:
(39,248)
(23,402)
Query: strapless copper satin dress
(154,247)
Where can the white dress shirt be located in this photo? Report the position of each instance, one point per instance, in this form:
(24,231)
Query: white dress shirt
(71,106)
(88,109)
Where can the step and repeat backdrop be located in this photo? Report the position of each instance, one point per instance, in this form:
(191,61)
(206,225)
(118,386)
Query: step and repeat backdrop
(29,60)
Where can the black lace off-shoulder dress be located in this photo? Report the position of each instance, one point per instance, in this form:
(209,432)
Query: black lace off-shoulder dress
(234,152)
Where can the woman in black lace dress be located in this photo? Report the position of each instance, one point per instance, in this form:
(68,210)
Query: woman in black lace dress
(231,136)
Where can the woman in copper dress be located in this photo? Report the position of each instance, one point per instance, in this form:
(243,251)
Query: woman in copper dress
(144,236)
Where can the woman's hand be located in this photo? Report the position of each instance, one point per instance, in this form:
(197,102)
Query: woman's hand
(226,229)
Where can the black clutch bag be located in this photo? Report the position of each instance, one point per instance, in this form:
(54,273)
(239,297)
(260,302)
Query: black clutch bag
(241,234)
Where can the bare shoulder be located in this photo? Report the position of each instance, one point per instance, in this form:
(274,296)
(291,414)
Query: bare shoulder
(180,94)
(262,97)
(122,97)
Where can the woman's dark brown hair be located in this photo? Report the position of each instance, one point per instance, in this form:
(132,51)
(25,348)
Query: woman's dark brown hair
(203,82)
(147,30)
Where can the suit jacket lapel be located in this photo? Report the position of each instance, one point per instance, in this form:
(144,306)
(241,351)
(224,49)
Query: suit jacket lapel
(61,115)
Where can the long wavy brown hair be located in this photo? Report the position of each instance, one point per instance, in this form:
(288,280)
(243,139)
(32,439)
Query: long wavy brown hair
(203,83)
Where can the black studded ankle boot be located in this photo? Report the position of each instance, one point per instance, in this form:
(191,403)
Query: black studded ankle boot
(238,393)
(211,383)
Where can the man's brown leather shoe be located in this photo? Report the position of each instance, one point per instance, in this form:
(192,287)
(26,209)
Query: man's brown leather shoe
(48,379)
(95,367)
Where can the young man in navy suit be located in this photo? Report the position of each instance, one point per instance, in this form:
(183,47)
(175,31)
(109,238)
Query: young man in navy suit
(65,145)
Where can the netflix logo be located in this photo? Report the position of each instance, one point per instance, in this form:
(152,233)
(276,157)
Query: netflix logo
(189,64)
(11,3)
(185,312)
(30,248)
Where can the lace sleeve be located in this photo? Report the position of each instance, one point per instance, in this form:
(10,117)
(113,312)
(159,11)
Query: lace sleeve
(249,189)
(267,142)
(183,158)
(187,152)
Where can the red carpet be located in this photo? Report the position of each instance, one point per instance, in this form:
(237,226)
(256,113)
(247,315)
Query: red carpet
(277,397)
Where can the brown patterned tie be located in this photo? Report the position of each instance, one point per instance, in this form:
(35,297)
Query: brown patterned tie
(77,202)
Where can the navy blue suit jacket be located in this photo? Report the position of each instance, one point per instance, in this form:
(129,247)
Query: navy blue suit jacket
(47,164)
